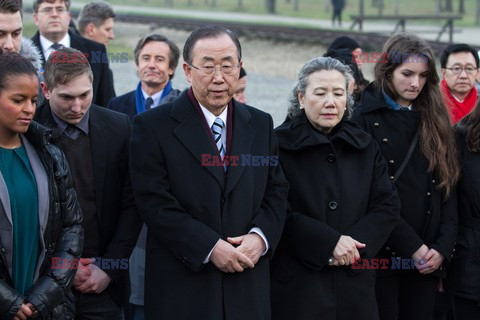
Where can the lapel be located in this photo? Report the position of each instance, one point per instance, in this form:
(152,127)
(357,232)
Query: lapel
(193,134)
(242,139)
(99,143)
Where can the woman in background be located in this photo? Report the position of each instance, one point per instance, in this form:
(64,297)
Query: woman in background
(41,237)
(404,112)
(342,204)
(463,280)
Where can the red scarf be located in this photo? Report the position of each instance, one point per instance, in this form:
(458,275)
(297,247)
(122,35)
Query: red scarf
(457,109)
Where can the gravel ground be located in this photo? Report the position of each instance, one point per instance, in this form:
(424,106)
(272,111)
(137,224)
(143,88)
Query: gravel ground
(271,66)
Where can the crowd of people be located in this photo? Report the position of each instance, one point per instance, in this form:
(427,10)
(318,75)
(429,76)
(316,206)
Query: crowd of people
(165,203)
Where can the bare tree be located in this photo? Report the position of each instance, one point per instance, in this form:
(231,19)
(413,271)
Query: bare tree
(270,6)
(461,6)
(448,5)
(477,15)
(438,7)
(240,4)
(295,5)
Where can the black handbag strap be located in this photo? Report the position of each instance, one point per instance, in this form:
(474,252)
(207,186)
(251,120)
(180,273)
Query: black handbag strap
(407,158)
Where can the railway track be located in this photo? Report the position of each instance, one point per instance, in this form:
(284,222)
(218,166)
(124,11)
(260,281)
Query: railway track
(370,41)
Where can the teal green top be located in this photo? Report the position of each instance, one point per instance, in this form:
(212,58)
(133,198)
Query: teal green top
(22,189)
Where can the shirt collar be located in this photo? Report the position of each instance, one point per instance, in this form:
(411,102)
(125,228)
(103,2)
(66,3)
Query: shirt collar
(210,117)
(393,104)
(82,125)
(46,44)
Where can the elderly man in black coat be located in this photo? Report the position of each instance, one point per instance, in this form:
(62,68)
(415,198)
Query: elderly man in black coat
(207,182)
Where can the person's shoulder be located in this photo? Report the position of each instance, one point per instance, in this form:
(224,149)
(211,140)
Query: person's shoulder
(122,98)
(106,113)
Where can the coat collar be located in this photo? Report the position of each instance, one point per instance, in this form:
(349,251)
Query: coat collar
(372,99)
(298,134)
(194,135)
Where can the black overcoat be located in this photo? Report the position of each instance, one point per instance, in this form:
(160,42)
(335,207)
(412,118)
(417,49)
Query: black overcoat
(188,206)
(427,217)
(338,186)
(464,271)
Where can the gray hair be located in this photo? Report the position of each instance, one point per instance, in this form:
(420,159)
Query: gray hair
(95,12)
(312,66)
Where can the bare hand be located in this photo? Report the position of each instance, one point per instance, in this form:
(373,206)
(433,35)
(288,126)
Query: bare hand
(227,258)
(83,272)
(418,255)
(96,283)
(430,262)
(346,252)
(24,312)
(251,245)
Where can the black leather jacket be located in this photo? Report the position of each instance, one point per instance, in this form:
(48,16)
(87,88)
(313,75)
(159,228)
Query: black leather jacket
(63,238)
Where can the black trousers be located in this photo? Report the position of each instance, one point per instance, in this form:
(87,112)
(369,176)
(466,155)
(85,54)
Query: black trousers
(465,309)
(91,306)
(405,295)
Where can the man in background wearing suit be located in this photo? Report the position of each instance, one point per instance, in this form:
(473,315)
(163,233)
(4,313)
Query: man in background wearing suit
(95,22)
(212,224)
(156,58)
(52,19)
(95,141)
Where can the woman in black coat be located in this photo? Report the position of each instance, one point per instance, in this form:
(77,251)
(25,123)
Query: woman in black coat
(41,235)
(342,204)
(403,111)
(463,280)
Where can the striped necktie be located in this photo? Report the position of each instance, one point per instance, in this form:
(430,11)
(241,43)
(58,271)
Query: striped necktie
(217,128)
(148,103)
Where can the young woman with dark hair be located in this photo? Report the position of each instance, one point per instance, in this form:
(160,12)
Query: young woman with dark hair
(41,235)
(403,111)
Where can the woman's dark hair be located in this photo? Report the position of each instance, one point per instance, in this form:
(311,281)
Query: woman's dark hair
(471,126)
(13,64)
(437,140)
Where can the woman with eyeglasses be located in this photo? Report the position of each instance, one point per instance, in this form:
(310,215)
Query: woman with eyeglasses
(341,205)
(41,236)
(459,70)
(404,112)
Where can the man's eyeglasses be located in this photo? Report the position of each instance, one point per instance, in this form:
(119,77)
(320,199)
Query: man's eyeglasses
(458,70)
(49,10)
(209,70)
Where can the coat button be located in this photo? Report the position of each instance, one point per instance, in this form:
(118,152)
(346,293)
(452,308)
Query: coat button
(394,254)
(331,158)
(387,248)
(376,124)
(3,250)
(428,212)
(391,161)
(332,205)
(384,140)
(433,181)
(428,194)
(392,177)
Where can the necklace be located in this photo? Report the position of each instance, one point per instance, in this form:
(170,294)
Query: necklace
(10,148)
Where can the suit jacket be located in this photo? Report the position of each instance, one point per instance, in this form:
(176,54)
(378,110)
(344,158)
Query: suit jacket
(126,103)
(118,219)
(103,89)
(188,206)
